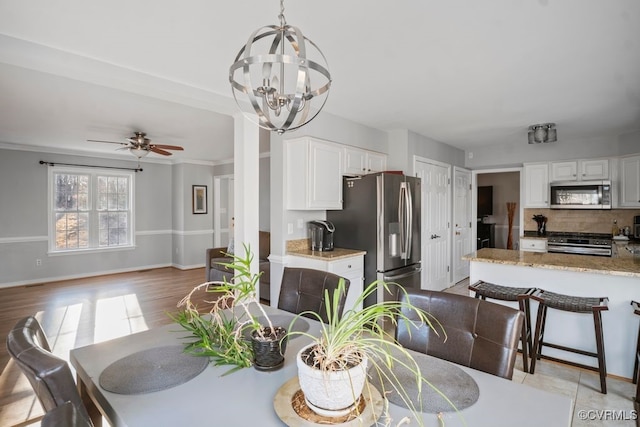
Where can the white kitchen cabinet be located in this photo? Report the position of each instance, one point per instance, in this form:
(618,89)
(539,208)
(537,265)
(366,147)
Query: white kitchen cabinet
(351,268)
(313,175)
(629,182)
(533,245)
(536,185)
(361,162)
(580,170)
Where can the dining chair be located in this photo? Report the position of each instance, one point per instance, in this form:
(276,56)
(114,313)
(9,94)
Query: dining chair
(302,289)
(49,375)
(65,415)
(479,334)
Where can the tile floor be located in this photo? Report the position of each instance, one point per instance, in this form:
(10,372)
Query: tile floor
(591,408)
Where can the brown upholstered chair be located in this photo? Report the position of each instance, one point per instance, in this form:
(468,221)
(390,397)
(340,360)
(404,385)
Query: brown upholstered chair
(480,334)
(49,375)
(66,415)
(302,289)
(215,272)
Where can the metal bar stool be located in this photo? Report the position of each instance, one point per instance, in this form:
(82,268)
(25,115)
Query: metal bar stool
(594,305)
(636,377)
(484,290)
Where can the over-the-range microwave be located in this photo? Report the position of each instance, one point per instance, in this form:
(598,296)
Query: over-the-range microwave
(580,195)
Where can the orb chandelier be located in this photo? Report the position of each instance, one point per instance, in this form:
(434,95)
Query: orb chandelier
(542,133)
(275,71)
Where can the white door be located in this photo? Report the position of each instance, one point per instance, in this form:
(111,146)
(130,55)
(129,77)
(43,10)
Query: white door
(461,222)
(435,224)
(222,210)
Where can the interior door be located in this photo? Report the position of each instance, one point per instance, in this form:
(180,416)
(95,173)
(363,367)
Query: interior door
(223,199)
(461,222)
(435,224)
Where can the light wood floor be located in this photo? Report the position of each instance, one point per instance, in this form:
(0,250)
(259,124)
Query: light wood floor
(79,312)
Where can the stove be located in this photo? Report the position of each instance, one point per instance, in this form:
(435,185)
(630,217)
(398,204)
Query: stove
(580,243)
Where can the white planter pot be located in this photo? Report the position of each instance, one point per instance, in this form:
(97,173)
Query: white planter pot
(330,393)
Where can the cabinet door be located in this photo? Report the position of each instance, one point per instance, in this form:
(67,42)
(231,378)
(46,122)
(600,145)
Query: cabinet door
(354,161)
(594,169)
(376,162)
(325,178)
(564,171)
(536,185)
(630,182)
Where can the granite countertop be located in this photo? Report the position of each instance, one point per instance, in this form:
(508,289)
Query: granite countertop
(618,266)
(335,254)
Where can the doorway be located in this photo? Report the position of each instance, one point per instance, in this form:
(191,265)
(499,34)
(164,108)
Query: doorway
(496,188)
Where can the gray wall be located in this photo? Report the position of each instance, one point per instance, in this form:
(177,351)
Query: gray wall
(23,221)
(515,154)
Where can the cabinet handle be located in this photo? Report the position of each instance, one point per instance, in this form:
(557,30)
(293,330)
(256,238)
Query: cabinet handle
(349,266)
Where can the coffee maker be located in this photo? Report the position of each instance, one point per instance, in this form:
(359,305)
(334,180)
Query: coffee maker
(321,235)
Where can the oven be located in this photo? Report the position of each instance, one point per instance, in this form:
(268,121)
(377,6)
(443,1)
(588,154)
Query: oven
(580,243)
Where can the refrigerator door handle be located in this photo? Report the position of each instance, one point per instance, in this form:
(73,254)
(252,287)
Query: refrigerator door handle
(405,217)
(402,276)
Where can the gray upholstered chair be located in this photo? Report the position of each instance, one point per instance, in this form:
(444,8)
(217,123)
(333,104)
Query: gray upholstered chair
(65,415)
(49,375)
(480,334)
(302,289)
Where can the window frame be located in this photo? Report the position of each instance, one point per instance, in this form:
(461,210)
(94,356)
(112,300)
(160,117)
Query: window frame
(93,231)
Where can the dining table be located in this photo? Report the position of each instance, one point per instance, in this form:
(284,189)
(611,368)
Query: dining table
(217,397)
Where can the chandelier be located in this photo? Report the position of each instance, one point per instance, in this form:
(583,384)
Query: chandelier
(274,71)
(542,133)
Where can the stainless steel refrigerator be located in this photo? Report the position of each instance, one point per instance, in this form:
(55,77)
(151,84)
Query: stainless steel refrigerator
(381,215)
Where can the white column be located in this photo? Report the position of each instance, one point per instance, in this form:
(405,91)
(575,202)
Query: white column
(246,186)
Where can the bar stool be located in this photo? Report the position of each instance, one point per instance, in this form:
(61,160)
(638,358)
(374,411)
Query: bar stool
(594,305)
(636,377)
(484,290)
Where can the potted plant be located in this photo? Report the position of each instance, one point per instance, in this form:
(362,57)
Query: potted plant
(333,369)
(228,332)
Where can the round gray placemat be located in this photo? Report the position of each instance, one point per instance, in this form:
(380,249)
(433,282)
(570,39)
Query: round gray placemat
(151,370)
(449,379)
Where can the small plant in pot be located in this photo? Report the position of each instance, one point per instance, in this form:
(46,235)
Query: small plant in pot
(333,369)
(228,331)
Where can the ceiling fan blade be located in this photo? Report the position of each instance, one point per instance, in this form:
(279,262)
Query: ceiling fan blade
(159,151)
(167,147)
(108,142)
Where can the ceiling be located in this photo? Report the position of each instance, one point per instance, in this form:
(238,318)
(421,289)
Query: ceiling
(463,72)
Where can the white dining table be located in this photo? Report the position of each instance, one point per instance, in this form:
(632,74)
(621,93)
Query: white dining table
(246,397)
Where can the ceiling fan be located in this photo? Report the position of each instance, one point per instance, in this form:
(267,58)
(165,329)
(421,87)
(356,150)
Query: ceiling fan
(140,146)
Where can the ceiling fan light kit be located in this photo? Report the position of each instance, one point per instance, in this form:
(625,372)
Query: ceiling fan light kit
(274,71)
(545,132)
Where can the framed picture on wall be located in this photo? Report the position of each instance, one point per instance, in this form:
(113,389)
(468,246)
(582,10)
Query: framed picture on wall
(199,199)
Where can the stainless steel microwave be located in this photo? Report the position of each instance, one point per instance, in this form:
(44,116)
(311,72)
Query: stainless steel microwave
(580,195)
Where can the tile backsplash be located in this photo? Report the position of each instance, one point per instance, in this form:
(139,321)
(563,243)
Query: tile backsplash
(584,221)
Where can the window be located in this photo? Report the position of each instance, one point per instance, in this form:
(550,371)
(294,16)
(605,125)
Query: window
(90,209)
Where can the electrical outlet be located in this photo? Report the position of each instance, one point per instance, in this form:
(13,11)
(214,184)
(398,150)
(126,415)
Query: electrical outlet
(300,223)
(38,262)
(290,228)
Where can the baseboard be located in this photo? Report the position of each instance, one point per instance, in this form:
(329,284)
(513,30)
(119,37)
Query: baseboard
(83,275)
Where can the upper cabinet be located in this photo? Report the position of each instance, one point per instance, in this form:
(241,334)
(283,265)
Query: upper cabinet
(362,162)
(536,185)
(580,170)
(314,170)
(630,182)
(313,178)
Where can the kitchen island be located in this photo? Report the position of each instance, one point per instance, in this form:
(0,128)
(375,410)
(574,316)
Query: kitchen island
(617,278)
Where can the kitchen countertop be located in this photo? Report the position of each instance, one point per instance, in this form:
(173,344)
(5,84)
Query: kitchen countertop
(621,265)
(335,254)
